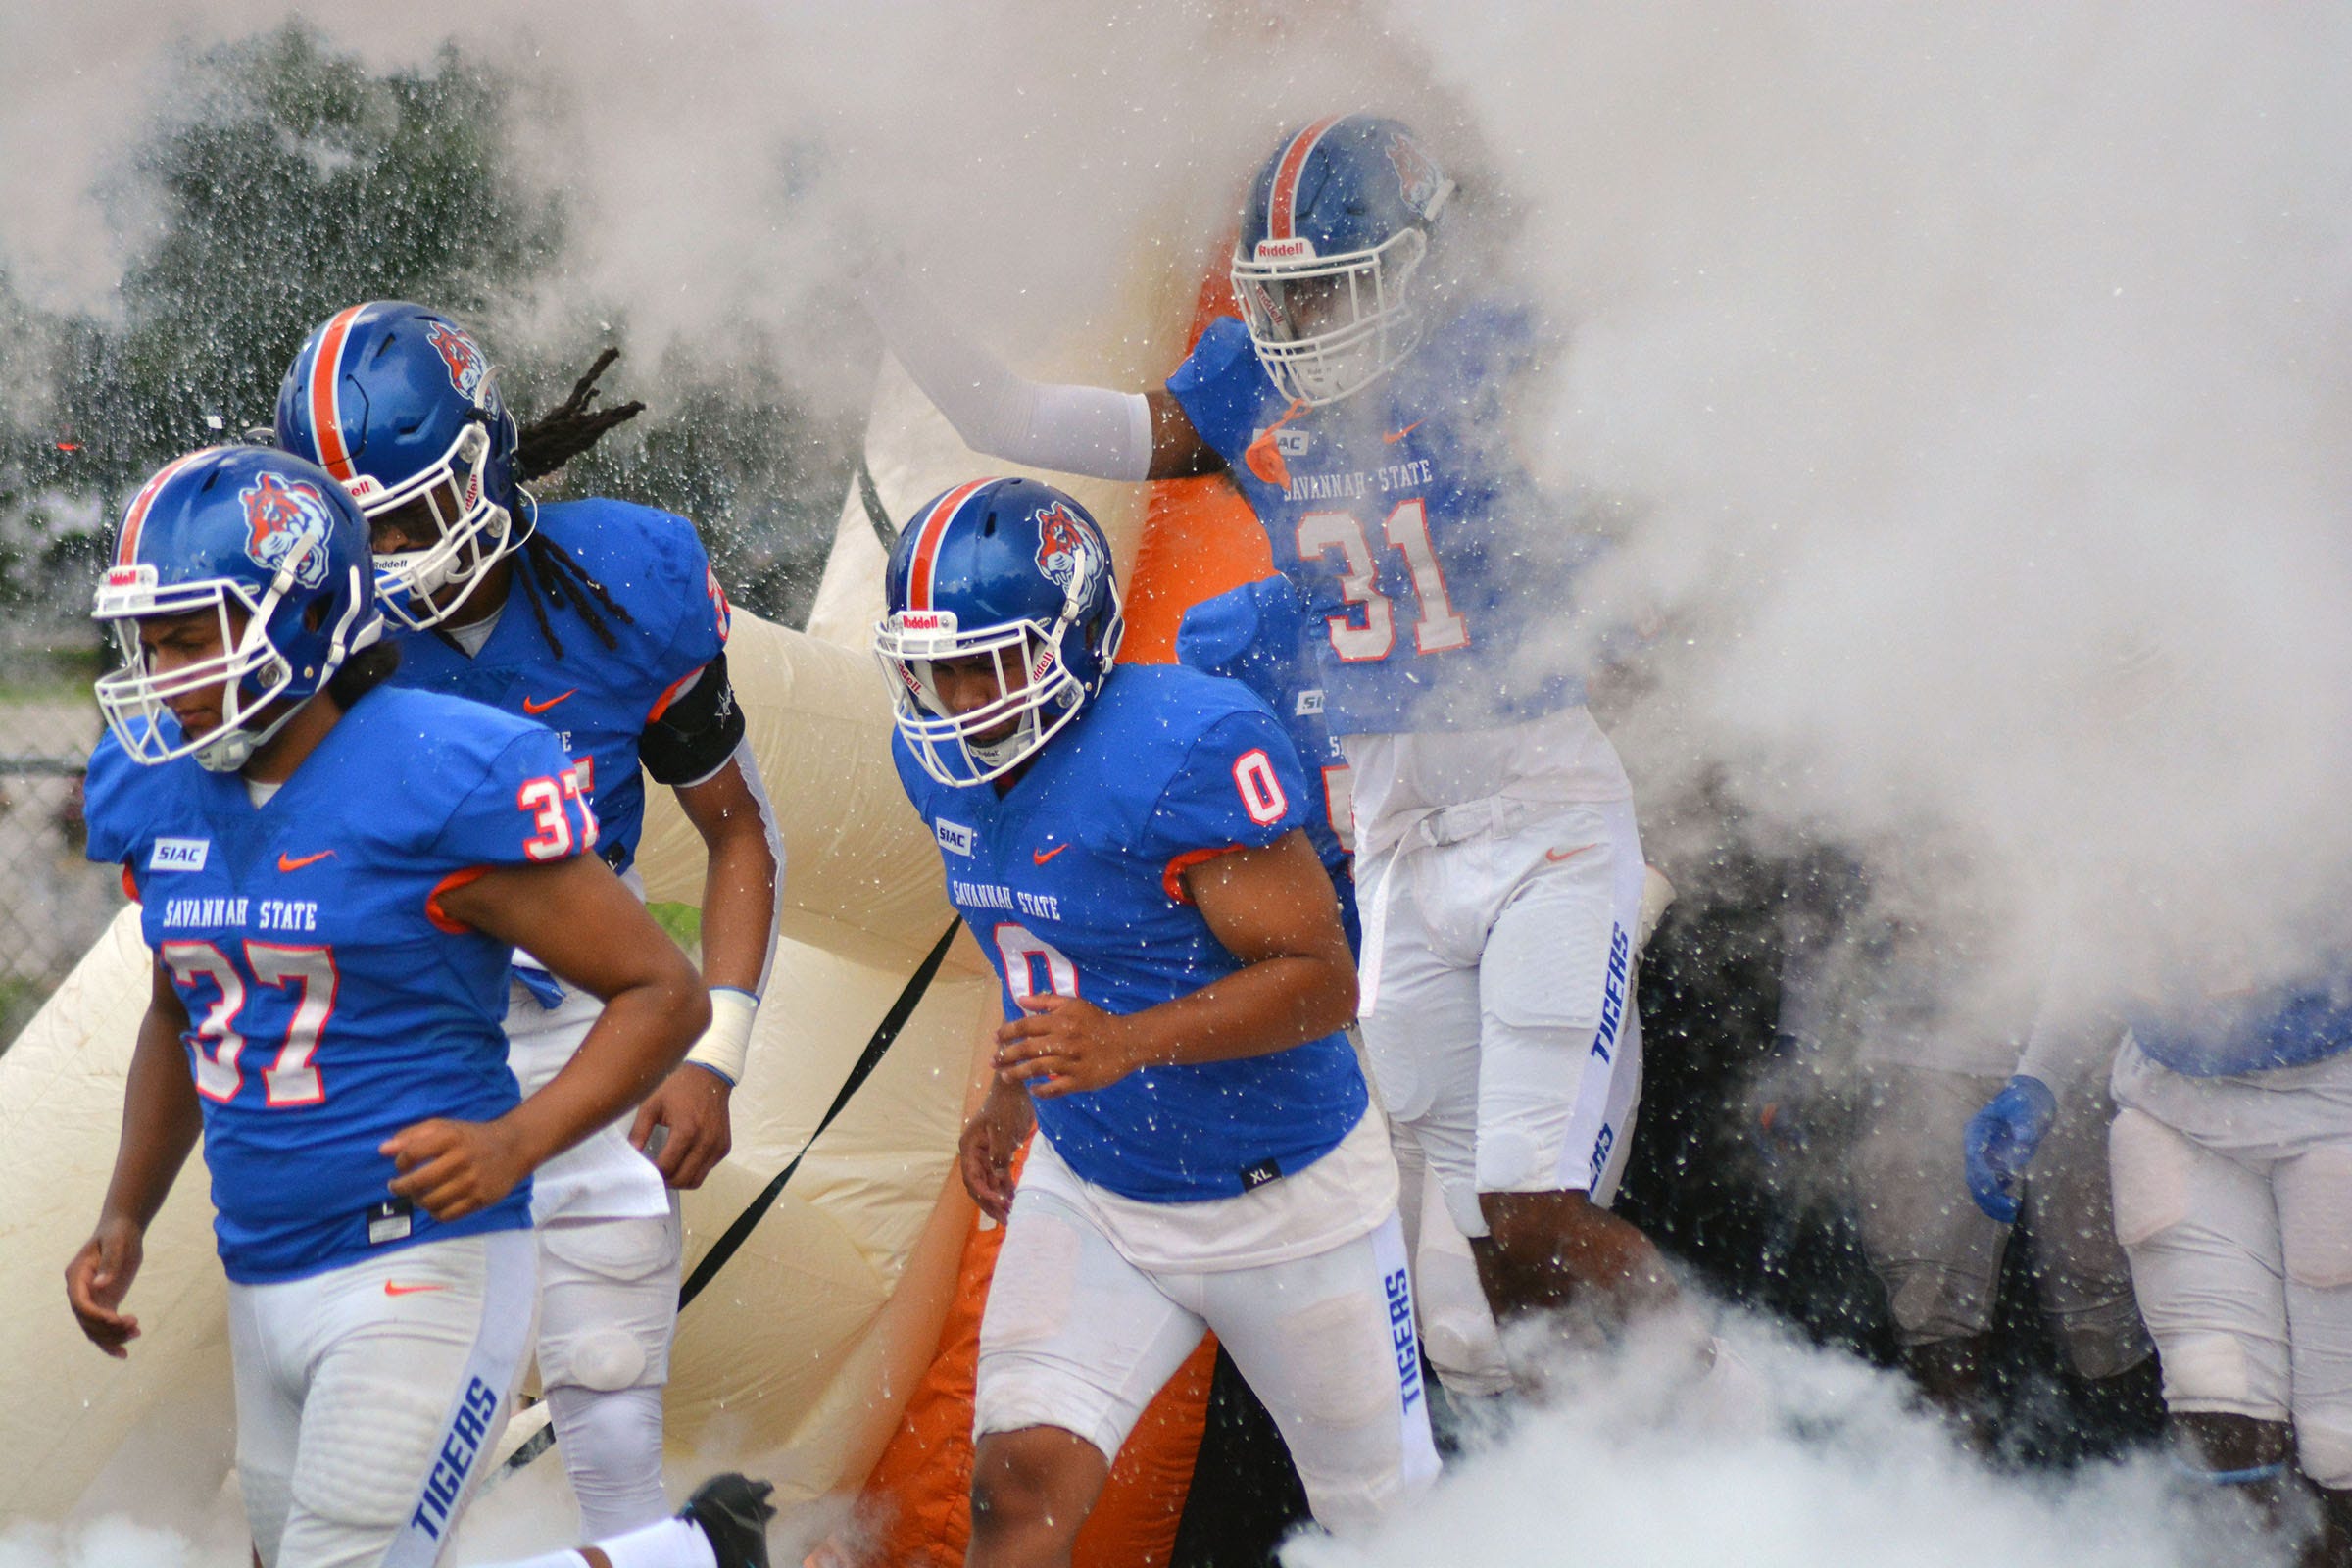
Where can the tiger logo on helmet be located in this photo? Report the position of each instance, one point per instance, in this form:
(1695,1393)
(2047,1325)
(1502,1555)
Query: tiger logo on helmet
(286,524)
(1069,552)
(469,368)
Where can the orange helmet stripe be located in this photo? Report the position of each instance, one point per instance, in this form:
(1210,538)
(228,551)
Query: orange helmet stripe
(134,516)
(1282,207)
(326,392)
(928,535)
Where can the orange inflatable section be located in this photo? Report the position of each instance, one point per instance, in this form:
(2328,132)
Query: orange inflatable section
(1199,538)
(916,1510)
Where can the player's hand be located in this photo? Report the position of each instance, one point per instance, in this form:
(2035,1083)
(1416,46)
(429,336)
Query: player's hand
(692,1102)
(1064,1045)
(991,1138)
(97,1280)
(455,1168)
(2000,1141)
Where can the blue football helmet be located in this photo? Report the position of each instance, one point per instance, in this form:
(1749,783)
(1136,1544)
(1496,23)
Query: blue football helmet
(257,536)
(1015,570)
(402,405)
(1338,221)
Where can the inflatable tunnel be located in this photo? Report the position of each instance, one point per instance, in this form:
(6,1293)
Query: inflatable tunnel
(833,1350)
(798,1357)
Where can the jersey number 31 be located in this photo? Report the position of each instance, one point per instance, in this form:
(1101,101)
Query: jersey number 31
(1440,628)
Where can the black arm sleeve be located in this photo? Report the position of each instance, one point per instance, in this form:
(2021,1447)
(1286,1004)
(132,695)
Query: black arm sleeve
(696,733)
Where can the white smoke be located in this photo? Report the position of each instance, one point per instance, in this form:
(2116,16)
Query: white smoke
(1959,359)
(1954,364)
(1843,1472)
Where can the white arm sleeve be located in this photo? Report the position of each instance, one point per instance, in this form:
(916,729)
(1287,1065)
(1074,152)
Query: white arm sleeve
(2075,1029)
(1071,429)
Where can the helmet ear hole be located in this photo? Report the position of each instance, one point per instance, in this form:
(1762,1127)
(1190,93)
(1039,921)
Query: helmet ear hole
(313,616)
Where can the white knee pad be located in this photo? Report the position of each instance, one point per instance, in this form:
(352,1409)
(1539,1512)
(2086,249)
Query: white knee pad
(609,1303)
(1457,1326)
(2153,1168)
(2315,1216)
(604,1361)
(2324,1448)
(611,1448)
(2214,1372)
(367,1441)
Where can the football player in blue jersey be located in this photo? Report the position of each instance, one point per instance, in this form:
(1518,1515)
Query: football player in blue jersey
(1256,634)
(1128,846)
(1362,403)
(333,874)
(2230,1154)
(603,621)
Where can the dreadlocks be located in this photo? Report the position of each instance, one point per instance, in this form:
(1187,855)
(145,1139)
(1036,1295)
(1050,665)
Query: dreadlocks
(546,444)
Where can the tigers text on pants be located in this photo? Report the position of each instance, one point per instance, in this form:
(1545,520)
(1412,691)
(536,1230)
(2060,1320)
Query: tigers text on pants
(1499,1018)
(369,1397)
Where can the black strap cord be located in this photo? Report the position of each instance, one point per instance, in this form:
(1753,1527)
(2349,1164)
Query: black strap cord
(869,495)
(886,1031)
(893,1022)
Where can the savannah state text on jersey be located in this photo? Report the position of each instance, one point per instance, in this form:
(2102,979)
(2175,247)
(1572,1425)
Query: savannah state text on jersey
(1072,882)
(330,1003)
(1438,575)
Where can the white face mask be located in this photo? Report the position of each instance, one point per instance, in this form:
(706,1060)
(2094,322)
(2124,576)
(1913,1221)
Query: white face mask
(472,532)
(1328,326)
(1035,692)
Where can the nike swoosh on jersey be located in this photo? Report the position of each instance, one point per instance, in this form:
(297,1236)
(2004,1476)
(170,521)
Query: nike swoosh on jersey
(1041,857)
(1556,856)
(391,1288)
(1394,436)
(295,863)
(532,705)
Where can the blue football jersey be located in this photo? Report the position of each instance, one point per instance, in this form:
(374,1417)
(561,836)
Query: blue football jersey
(1072,882)
(1256,634)
(331,1002)
(598,700)
(2276,1026)
(1435,574)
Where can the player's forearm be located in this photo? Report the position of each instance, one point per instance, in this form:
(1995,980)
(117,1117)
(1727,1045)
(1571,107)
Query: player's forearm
(739,902)
(161,1123)
(1271,1006)
(1076,430)
(2075,1027)
(642,1034)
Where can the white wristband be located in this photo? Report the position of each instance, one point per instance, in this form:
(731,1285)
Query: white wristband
(727,1043)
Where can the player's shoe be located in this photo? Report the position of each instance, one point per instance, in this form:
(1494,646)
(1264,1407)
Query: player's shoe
(733,1512)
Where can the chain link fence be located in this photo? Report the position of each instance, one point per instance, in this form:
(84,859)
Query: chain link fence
(53,903)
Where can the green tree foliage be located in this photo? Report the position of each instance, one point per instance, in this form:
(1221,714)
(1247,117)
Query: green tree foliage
(288,183)
(282,179)
(729,447)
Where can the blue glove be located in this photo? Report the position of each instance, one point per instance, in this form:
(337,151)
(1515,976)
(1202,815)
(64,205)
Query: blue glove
(2000,1142)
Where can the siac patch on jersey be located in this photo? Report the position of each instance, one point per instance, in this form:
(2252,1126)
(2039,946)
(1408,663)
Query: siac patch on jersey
(179,854)
(284,521)
(468,369)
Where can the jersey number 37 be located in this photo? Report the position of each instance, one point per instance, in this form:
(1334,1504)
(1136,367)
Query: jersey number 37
(310,972)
